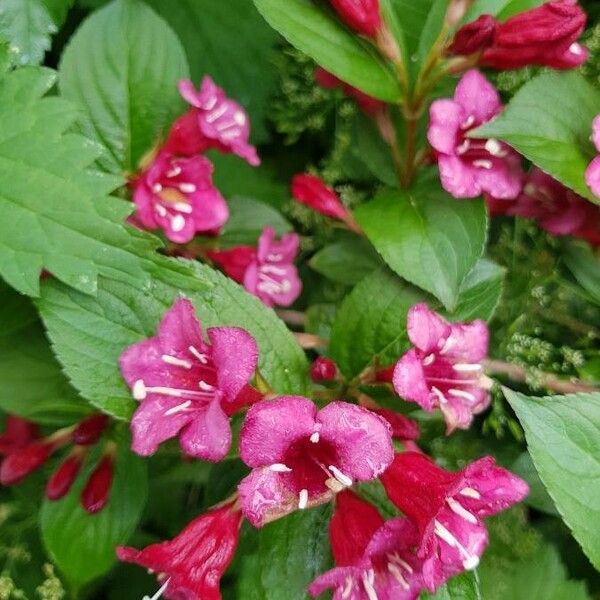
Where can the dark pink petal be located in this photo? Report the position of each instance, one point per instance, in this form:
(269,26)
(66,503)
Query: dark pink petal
(208,435)
(235,356)
(504,179)
(470,341)
(271,426)
(410,383)
(362,439)
(446,117)
(426,329)
(189,93)
(477,96)
(458,412)
(596,132)
(337,579)
(458,178)
(235,261)
(592,176)
(361,15)
(179,328)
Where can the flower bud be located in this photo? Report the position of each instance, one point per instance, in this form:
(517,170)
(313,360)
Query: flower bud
(323,369)
(361,15)
(19,432)
(16,466)
(89,430)
(97,489)
(474,37)
(63,478)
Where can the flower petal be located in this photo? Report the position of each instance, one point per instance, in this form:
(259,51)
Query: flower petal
(446,117)
(189,92)
(409,381)
(426,329)
(592,176)
(458,178)
(477,96)
(180,329)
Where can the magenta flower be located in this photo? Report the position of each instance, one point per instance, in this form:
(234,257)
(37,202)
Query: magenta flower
(592,175)
(186,387)
(214,121)
(361,15)
(177,195)
(470,166)
(444,369)
(448,508)
(191,565)
(373,559)
(302,456)
(556,209)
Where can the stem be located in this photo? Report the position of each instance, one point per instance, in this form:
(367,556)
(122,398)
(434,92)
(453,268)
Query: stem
(308,341)
(547,380)
(291,317)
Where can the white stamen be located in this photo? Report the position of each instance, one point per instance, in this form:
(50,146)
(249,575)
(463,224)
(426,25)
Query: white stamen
(161,210)
(470,121)
(160,592)
(464,147)
(348,588)
(458,509)
(470,561)
(176,362)
(217,113)
(494,147)
(303,499)
(177,223)
(139,390)
(187,188)
(462,394)
(239,117)
(201,357)
(174,172)
(205,386)
(484,164)
(439,394)
(273,269)
(368,578)
(450,341)
(180,408)
(395,571)
(469,492)
(576,49)
(396,558)
(466,367)
(315,437)
(157,188)
(274,257)
(341,477)
(280,468)
(183,207)
(428,359)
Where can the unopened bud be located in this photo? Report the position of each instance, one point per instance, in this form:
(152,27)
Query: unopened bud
(88,432)
(323,369)
(16,466)
(63,478)
(97,489)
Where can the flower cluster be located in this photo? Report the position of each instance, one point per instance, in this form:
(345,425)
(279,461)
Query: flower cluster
(25,452)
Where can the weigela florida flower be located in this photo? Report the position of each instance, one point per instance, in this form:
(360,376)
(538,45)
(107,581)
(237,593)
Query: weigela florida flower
(186,387)
(191,565)
(444,369)
(177,195)
(302,456)
(546,35)
(592,174)
(471,166)
(361,15)
(448,508)
(19,432)
(373,559)
(557,209)
(214,121)
(268,271)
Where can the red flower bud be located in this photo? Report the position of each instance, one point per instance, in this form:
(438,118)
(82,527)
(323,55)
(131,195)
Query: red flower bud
(19,432)
(323,369)
(89,430)
(474,37)
(234,261)
(385,375)
(546,35)
(97,489)
(403,428)
(361,15)
(16,466)
(247,397)
(63,478)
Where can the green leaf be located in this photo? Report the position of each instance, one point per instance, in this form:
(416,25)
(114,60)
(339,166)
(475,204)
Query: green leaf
(538,497)
(55,213)
(28,26)
(292,552)
(58,10)
(426,236)
(585,267)
(89,334)
(432,27)
(502,9)
(83,545)
(563,437)
(480,292)
(346,261)
(310,28)
(549,121)
(230,42)
(372,323)
(122,67)
(461,587)
(248,217)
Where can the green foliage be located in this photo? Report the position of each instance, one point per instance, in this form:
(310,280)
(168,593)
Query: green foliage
(121,68)
(461,587)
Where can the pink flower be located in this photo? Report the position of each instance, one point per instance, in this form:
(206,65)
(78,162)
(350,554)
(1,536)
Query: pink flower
(557,209)
(592,175)
(369,105)
(19,433)
(191,565)
(302,456)
(214,121)
(448,508)
(444,369)
(373,559)
(546,36)
(469,166)
(312,191)
(177,196)
(187,387)
(361,15)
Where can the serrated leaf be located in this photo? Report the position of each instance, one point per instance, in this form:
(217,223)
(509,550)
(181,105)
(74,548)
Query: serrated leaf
(55,213)
(121,68)
(563,437)
(480,292)
(426,236)
(549,121)
(316,32)
(230,42)
(83,545)
(28,26)
(89,334)
(461,587)
(346,261)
